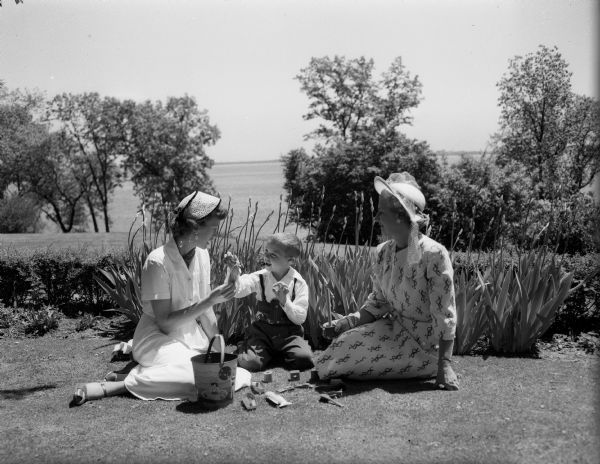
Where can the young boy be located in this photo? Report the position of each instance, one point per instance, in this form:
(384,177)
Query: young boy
(282,296)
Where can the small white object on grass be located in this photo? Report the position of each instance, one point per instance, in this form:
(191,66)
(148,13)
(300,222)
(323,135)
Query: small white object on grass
(243,378)
(276,399)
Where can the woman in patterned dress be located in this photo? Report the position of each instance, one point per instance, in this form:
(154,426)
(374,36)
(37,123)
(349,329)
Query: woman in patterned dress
(406,327)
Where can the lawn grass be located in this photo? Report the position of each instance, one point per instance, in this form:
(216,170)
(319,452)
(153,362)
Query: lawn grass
(508,410)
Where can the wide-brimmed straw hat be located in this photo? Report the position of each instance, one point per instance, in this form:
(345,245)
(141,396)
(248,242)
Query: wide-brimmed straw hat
(197,205)
(403,187)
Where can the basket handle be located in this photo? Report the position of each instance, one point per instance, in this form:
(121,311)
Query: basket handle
(222,348)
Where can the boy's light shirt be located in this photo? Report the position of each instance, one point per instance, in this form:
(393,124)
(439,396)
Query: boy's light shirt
(296,311)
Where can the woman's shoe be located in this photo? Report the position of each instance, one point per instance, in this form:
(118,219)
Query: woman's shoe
(87,392)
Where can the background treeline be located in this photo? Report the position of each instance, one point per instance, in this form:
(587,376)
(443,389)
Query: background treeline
(63,158)
(533,175)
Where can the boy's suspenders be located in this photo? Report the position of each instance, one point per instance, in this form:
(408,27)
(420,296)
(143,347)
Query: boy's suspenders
(262,288)
(271,311)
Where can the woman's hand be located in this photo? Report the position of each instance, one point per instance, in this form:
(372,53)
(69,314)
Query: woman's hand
(222,293)
(350,321)
(342,325)
(446,377)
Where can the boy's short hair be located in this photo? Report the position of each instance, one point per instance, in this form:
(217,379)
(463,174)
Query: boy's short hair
(288,242)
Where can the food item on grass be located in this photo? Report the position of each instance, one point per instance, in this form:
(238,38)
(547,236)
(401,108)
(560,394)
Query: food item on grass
(257,388)
(276,399)
(249,402)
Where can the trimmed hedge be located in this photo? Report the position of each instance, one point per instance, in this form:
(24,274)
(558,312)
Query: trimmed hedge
(64,279)
(59,278)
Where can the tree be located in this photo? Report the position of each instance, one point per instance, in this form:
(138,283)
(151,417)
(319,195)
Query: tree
(97,127)
(581,160)
(333,192)
(44,170)
(165,153)
(19,133)
(545,126)
(19,211)
(50,172)
(19,214)
(476,202)
(352,105)
(358,138)
(16,2)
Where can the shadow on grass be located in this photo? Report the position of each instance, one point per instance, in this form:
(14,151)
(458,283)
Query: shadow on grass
(117,328)
(125,369)
(188,407)
(356,387)
(19,394)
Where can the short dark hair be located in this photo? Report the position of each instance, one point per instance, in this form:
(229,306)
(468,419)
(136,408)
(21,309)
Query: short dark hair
(182,225)
(288,242)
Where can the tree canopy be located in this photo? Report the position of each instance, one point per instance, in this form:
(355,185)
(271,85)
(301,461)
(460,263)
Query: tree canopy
(358,137)
(352,105)
(72,152)
(16,2)
(165,155)
(97,128)
(545,152)
(545,126)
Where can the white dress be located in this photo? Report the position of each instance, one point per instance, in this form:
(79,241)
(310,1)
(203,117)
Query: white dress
(165,370)
(413,306)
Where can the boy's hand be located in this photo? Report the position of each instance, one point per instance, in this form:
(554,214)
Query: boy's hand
(281,291)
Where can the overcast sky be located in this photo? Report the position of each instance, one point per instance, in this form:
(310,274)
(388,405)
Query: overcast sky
(239,58)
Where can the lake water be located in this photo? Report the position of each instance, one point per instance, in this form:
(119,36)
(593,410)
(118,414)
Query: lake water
(251,187)
(253,182)
(260,182)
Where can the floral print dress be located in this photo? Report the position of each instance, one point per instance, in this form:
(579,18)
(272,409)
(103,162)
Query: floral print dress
(413,306)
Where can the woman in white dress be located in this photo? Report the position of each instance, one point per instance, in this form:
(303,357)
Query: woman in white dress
(178,320)
(406,327)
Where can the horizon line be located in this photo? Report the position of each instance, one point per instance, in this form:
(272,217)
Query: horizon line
(448,152)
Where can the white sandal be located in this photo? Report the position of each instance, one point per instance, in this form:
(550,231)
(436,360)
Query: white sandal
(81,394)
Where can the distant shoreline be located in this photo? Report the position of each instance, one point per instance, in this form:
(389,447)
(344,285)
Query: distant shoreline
(439,153)
(247,162)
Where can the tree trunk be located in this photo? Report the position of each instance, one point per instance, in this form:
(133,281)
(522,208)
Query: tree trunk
(92,214)
(57,218)
(105,211)
(540,164)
